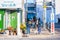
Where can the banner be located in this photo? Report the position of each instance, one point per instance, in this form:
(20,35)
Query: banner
(52,23)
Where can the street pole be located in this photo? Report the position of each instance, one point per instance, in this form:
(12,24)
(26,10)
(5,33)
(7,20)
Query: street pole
(26,8)
(52,19)
(18,23)
(44,13)
(23,13)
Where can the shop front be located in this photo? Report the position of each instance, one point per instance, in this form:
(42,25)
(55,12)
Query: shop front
(11,15)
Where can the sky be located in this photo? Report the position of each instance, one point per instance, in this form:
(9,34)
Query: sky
(57,6)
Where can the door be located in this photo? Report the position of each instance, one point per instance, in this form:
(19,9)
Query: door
(1,19)
(13,19)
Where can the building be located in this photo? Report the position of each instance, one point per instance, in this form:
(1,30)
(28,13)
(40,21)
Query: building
(31,9)
(11,14)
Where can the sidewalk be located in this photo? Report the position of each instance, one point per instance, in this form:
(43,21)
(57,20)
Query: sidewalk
(44,33)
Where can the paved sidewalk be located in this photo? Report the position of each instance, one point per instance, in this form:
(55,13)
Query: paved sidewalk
(44,35)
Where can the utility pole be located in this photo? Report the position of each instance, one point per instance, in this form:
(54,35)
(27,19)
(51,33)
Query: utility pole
(52,18)
(23,13)
(26,9)
(18,23)
(44,13)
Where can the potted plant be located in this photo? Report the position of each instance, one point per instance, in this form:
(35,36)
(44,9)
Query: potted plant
(23,28)
(10,30)
(2,31)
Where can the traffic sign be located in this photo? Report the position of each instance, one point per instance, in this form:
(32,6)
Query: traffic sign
(44,6)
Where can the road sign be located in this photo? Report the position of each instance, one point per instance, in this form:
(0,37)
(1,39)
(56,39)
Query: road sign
(44,6)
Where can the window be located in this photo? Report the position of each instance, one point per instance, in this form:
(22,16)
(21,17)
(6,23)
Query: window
(49,3)
(31,8)
(48,8)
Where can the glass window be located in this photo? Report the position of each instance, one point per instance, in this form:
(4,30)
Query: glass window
(31,8)
(48,8)
(49,3)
